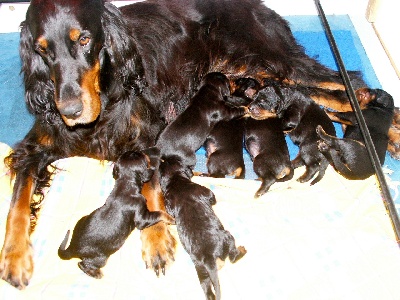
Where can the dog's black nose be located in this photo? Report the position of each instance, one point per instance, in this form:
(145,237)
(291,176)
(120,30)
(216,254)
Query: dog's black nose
(70,109)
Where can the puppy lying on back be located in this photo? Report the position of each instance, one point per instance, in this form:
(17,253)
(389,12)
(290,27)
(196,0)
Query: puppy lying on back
(300,117)
(200,231)
(349,156)
(105,230)
(189,130)
(264,140)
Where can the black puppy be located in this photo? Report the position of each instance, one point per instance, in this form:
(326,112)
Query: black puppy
(224,149)
(349,156)
(264,140)
(104,231)
(224,144)
(200,231)
(266,144)
(190,129)
(300,117)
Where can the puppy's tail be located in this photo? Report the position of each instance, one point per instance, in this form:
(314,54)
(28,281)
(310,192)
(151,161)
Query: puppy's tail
(208,277)
(213,272)
(64,253)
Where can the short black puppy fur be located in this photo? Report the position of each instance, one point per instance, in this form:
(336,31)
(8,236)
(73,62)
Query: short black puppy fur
(189,130)
(104,231)
(224,144)
(271,160)
(349,156)
(200,231)
(300,118)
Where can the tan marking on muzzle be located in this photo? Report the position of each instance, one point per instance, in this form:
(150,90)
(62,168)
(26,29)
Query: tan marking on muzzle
(90,97)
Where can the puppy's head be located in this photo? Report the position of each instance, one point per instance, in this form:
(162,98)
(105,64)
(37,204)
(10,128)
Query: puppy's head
(246,87)
(171,165)
(266,103)
(381,99)
(219,81)
(135,166)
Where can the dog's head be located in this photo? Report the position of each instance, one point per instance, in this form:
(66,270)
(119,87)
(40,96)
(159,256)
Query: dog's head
(64,47)
(219,81)
(381,99)
(136,166)
(267,103)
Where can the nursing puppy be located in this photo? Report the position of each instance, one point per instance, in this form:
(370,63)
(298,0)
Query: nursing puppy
(264,140)
(104,231)
(189,130)
(300,117)
(200,231)
(224,150)
(349,156)
(224,144)
(266,144)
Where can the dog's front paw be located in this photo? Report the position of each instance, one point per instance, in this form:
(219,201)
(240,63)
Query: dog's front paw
(16,263)
(158,247)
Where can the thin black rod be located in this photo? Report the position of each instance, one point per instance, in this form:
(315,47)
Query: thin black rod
(387,198)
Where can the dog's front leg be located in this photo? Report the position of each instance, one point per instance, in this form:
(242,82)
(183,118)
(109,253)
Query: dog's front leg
(158,244)
(16,263)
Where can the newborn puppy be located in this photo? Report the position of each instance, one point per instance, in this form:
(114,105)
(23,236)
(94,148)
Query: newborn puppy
(224,144)
(200,231)
(104,231)
(190,129)
(264,140)
(349,156)
(224,150)
(266,144)
(300,117)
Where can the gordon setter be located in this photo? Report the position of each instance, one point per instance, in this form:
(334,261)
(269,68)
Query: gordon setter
(102,81)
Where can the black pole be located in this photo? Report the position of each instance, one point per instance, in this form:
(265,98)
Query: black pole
(385,192)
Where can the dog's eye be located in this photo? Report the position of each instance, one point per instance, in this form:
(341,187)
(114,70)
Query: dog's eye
(84,40)
(41,49)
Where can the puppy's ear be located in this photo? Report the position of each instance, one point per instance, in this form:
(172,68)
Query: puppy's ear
(153,156)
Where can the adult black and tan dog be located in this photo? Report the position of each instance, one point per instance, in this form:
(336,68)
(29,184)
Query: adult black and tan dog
(101,233)
(349,156)
(102,81)
(200,231)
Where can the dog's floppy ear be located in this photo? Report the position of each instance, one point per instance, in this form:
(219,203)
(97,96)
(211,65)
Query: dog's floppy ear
(39,89)
(125,66)
(153,155)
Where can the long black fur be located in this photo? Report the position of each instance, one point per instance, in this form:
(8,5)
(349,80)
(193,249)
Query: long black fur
(102,81)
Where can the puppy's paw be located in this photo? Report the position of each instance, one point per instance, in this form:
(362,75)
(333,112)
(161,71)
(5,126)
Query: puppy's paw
(92,272)
(239,253)
(322,146)
(16,263)
(158,247)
